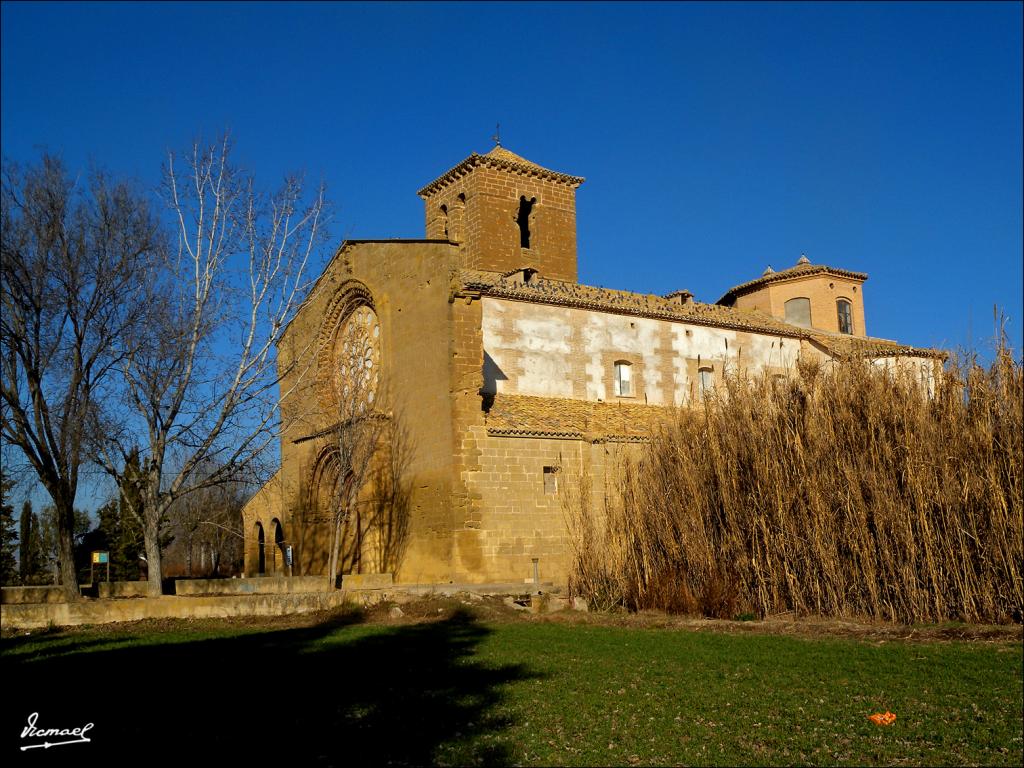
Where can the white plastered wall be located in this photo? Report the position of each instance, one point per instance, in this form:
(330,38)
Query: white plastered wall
(548,351)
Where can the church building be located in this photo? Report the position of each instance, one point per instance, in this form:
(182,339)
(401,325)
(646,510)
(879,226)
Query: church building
(497,378)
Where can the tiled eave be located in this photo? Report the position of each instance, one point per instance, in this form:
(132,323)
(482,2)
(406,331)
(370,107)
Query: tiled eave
(546,435)
(477,283)
(554,418)
(785,275)
(558,293)
(474,160)
(861,348)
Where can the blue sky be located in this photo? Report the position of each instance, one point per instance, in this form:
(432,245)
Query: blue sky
(716,139)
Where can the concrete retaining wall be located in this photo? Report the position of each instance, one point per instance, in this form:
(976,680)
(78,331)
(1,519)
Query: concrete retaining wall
(259,585)
(31,616)
(367,581)
(21,595)
(122,588)
(279,585)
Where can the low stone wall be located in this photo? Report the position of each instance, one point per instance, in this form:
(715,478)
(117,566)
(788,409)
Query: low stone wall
(22,595)
(107,589)
(32,616)
(367,581)
(257,585)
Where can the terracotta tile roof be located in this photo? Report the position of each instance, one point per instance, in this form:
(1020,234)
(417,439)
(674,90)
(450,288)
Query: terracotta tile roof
(503,159)
(527,416)
(803,268)
(558,292)
(500,153)
(849,347)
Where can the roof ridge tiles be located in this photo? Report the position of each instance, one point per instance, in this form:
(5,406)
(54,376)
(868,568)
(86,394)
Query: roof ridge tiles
(506,160)
(544,291)
(800,270)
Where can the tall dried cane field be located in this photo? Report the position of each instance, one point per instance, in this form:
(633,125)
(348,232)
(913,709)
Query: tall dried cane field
(841,491)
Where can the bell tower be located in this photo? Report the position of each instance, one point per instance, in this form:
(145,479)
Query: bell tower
(506,213)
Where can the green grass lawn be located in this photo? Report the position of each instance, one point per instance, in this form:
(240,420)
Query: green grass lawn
(460,690)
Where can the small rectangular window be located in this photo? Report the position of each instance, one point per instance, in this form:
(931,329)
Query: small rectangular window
(623,383)
(707,380)
(550,480)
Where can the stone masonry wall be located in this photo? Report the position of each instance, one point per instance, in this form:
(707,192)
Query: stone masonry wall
(482,209)
(409,286)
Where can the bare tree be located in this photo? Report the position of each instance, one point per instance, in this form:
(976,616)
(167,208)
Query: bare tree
(201,383)
(72,256)
(207,525)
(361,428)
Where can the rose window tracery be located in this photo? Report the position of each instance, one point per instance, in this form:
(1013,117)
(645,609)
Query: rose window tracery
(357,360)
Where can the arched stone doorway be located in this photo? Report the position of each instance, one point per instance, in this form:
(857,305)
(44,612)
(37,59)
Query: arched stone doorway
(279,561)
(261,555)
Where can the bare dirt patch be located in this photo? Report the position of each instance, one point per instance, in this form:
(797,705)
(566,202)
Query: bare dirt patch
(497,609)
(806,626)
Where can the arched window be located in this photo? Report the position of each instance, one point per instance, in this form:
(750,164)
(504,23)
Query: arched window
(706,380)
(798,311)
(623,384)
(279,559)
(261,555)
(444,218)
(523,220)
(357,366)
(845,312)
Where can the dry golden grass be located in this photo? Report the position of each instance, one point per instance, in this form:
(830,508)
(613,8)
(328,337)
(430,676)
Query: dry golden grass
(843,492)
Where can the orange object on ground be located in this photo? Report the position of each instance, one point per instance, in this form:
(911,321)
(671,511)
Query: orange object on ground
(888,718)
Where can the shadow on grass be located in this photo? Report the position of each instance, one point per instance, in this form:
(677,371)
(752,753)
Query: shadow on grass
(333,694)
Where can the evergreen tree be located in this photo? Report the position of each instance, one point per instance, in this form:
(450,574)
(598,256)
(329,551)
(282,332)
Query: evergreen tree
(128,546)
(8,536)
(49,570)
(31,558)
(31,562)
(25,542)
(120,527)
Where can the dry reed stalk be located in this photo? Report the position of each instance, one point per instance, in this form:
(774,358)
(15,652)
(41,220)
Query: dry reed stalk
(845,492)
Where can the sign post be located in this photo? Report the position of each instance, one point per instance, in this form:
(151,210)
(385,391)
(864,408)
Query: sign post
(101,558)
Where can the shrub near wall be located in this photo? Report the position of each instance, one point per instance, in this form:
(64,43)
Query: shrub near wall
(842,492)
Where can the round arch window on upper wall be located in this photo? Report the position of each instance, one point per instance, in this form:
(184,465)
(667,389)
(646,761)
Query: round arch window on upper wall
(349,356)
(798,311)
(844,313)
(357,360)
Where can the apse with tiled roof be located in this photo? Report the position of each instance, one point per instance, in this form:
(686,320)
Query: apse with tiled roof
(506,212)
(808,295)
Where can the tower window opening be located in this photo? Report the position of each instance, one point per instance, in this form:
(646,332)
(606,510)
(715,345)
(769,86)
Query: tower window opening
(845,313)
(444,216)
(523,219)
